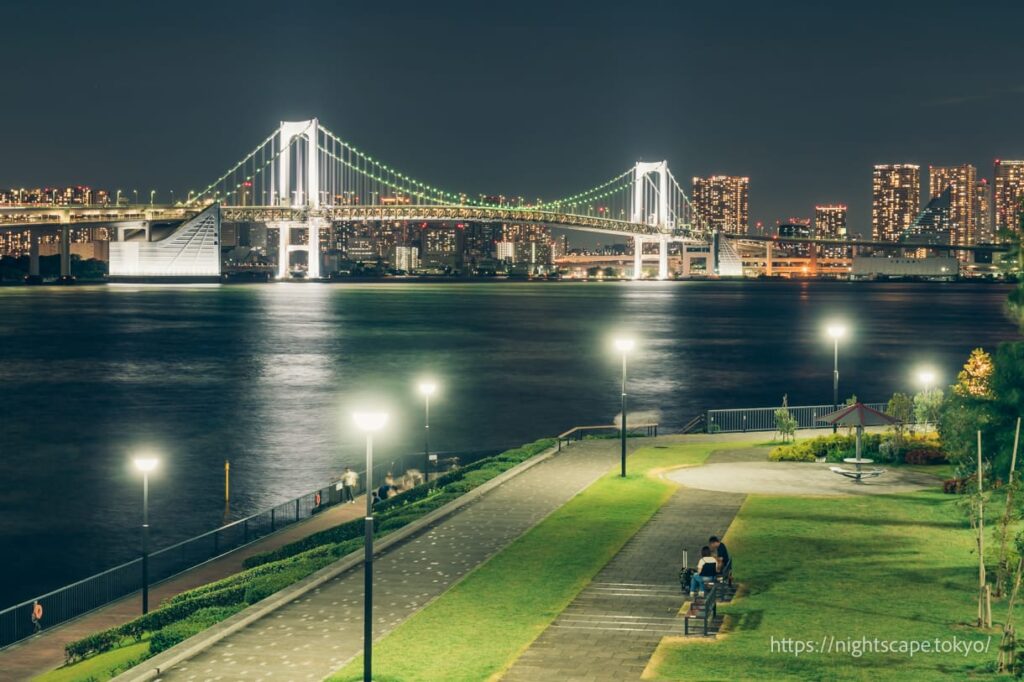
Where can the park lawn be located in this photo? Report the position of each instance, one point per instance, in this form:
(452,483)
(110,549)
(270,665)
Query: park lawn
(101,667)
(480,626)
(892,567)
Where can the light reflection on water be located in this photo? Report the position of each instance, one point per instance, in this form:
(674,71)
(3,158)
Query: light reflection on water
(261,375)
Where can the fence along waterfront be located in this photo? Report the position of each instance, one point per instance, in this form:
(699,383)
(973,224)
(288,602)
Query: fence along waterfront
(89,594)
(763,418)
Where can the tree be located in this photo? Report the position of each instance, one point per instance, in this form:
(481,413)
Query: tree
(928,406)
(974,380)
(785,423)
(900,407)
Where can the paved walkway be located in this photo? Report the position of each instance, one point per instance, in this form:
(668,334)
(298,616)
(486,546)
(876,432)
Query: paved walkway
(316,634)
(44,652)
(612,628)
(797,478)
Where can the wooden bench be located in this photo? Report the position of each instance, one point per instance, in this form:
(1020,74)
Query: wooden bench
(703,610)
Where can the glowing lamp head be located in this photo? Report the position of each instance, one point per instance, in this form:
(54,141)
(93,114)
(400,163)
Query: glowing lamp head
(145,464)
(370,421)
(926,377)
(624,345)
(836,331)
(428,388)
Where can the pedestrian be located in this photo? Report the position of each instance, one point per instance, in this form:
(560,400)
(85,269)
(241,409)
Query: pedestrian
(37,616)
(719,550)
(349,482)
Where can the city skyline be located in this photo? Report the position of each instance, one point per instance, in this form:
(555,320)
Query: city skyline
(708,95)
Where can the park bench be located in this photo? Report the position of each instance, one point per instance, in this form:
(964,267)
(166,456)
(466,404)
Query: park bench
(857,474)
(703,610)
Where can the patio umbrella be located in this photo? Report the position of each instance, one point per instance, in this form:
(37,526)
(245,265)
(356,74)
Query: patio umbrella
(858,415)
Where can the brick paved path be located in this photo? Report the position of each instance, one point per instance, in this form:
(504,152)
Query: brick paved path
(319,632)
(612,628)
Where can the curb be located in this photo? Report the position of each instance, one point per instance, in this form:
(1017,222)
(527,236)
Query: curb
(152,668)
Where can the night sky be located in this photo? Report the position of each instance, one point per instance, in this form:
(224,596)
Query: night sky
(539,99)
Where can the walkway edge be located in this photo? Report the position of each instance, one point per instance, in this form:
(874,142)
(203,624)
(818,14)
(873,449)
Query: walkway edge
(153,667)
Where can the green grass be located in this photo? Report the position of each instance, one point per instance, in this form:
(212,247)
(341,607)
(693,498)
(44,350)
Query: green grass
(892,567)
(104,666)
(480,626)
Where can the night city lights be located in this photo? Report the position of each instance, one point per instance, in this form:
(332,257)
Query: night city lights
(533,342)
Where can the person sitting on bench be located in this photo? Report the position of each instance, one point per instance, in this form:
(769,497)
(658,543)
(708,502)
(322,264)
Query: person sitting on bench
(707,567)
(724,560)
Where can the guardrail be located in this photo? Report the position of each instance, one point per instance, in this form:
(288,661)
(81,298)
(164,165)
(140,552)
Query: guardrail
(88,594)
(763,418)
(578,433)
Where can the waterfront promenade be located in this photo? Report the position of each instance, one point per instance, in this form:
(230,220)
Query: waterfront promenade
(316,634)
(45,651)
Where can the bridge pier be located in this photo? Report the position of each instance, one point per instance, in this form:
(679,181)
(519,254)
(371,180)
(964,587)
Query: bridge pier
(33,253)
(65,251)
(638,257)
(663,258)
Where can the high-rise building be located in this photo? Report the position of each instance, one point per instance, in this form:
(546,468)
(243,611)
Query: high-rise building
(407,258)
(830,223)
(960,180)
(796,228)
(984,229)
(1009,193)
(895,199)
(721,202)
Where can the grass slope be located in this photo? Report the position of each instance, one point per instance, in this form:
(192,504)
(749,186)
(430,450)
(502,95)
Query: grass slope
(482,624)
(892,567)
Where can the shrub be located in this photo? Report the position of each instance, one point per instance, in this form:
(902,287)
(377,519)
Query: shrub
(925,456)
(176,633)
(797,452)
(954,486)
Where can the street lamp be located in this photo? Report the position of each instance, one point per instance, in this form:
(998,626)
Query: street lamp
(926,377)
(368,422)
(836,331)
(624,346)
(152,196)
(427,389)
(136,193)
(145,465)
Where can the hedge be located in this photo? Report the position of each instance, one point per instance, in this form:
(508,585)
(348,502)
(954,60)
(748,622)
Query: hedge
(836,447)
(269,572)
(175,633)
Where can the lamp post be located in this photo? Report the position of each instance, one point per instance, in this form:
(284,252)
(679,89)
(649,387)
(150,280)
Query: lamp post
(926,378)
(624,346)
(836,332)
(368,423)
(136,193)
(152,196)
(427,389)
(145,465)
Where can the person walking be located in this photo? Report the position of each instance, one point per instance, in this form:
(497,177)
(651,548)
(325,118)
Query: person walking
(37,616)
(349,483)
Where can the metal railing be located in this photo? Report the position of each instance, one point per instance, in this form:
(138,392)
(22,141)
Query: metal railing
(578,433)
(763,418)
(88,594)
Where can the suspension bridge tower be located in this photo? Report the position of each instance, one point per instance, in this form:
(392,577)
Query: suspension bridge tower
(298,186)
(651,206)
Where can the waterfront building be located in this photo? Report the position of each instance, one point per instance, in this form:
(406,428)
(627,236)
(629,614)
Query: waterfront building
(960,180)
(407,258)
(1009,195)
(830,223)
(895,199)
(799,228)
(505,251)
(984,227)
(721,202)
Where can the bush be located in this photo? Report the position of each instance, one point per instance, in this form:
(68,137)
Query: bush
(925,456)
(175,633)
(797,452)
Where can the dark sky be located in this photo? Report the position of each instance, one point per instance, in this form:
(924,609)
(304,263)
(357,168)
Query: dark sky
(538,99)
